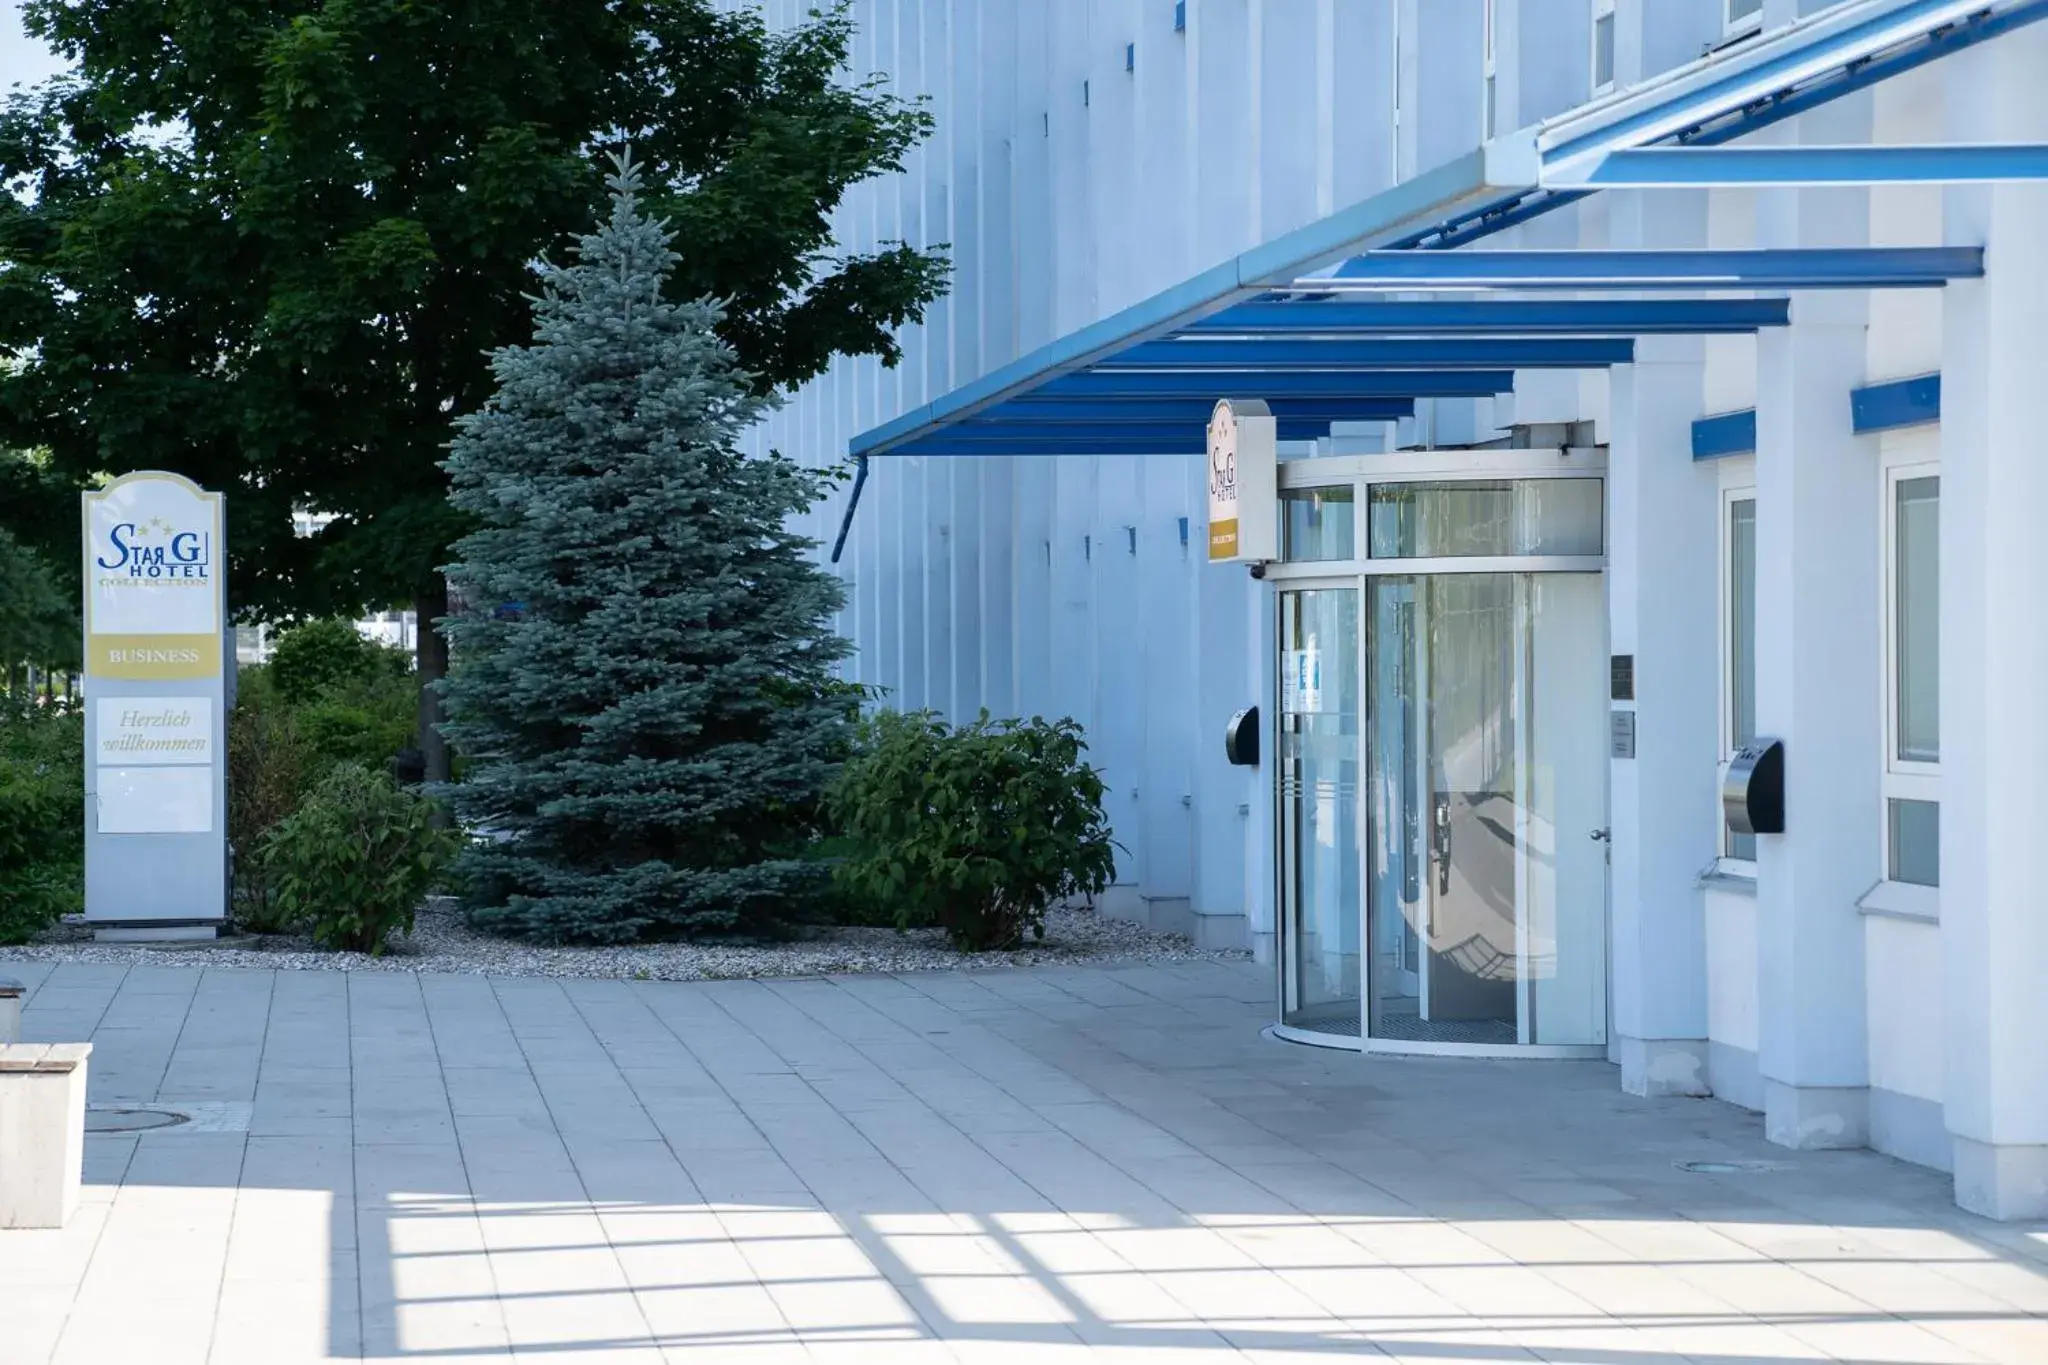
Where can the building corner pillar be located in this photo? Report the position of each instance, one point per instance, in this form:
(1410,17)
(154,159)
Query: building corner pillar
(1994,640)
(1662,602)
(1818,646)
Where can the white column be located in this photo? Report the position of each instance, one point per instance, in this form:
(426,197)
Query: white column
(1662,599)
(1994,648)
(1818,604)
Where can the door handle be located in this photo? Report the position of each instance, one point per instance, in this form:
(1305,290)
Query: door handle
(1601,836)
(1443,844)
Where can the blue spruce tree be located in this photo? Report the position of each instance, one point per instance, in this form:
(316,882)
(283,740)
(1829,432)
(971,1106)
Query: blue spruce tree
(642,684)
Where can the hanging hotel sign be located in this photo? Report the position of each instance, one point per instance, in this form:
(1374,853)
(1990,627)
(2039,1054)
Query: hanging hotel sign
(1244,492)
(157,687)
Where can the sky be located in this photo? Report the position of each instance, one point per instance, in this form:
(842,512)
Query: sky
(22,58)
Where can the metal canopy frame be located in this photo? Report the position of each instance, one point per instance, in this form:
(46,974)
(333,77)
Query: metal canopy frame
(1296,318)
(1704,167)
(1779,268)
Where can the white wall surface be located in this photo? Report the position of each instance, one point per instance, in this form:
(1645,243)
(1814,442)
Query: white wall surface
(1063,586)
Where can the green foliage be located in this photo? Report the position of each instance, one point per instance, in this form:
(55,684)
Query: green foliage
(272,764)
(978,829)
(42,818)
(354,700)
(351,704)
(646,701)
(270,246)
(355,859)
(38,621)
(39,510)
(318,655)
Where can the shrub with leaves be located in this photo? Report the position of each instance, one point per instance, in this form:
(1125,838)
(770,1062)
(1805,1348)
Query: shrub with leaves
(42,818)
(318,655)
(977,829)
(271,766)
(356,858)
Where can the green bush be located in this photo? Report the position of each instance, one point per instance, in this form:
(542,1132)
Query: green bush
(310,659)
(977,829)
(42,818)
(271,767)
(356,858)
(329,696)
(365,719)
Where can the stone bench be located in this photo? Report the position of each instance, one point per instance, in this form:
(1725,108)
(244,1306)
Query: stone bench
(11,992)
(42,1132)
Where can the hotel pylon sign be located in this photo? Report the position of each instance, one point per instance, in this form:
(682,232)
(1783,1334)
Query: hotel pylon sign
(158,680)
(1244,493)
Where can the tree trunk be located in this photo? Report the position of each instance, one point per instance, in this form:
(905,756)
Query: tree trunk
(431,654)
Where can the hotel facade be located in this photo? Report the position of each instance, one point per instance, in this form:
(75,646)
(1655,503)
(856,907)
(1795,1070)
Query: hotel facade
(1648,664)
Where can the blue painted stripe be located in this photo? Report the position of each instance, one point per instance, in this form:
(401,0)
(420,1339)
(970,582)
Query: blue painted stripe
(1698,167)
(1060,411)
(1213,384)
(1727,433)
(1776,268)
(1084,437)
(1898,403)
(1478,353)
(1334,315)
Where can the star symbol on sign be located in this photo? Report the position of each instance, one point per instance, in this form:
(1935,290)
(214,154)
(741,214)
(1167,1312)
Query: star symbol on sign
(160,524)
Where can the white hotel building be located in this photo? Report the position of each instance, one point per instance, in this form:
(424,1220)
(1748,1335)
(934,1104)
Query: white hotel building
(1651,377)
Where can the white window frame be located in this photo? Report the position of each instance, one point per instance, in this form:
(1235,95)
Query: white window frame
(1738,484)
(1602,9)
(1489,106)
(1735,25)
(1914,454)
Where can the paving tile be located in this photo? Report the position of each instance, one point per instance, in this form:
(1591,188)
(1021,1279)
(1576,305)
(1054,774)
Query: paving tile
(1079,1165)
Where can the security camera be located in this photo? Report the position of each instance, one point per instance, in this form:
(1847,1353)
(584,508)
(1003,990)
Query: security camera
(1258,570)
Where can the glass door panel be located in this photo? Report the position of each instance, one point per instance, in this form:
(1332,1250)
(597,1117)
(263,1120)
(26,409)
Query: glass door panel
(1486,777)
(1321,895)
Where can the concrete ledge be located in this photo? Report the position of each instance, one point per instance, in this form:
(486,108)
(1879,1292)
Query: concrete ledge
(1732,1072)
(1911,1129)
(42,1132)
(1664,1066)
(1816,1118)
(1168,915)
(11,992)
(1173,915)
(2008,1182)
(1121,902)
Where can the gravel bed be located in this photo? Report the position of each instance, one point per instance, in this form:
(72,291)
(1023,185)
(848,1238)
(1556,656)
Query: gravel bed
(442,942)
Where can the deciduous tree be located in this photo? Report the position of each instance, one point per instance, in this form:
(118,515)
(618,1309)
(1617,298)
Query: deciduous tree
(269,244)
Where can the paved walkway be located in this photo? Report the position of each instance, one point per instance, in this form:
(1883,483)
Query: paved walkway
(1102,1165)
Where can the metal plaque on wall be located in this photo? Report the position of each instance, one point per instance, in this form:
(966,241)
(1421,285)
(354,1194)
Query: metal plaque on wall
(1621,734)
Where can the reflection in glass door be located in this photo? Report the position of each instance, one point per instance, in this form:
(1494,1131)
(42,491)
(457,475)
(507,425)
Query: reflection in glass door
(1486,776)
(1319,759)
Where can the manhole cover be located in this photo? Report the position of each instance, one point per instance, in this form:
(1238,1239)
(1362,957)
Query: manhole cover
(131,1120)
(1727,1167)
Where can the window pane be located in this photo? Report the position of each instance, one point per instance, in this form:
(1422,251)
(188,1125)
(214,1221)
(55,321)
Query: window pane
(1318,523)
(1603,51)
(1742,621)
(1485,517)
(1916,842)
(1917,623)
(1738,10)
(1741,642)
